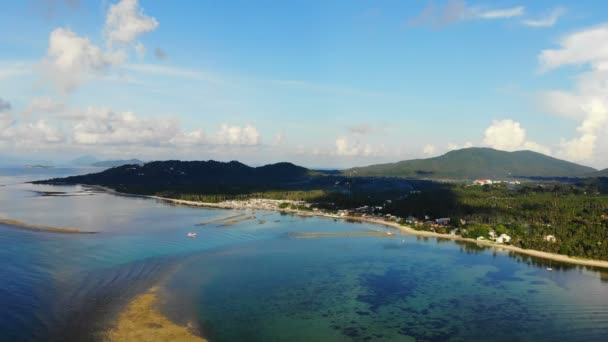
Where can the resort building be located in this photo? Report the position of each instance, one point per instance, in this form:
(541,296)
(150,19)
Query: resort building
(503,238)
(550,238)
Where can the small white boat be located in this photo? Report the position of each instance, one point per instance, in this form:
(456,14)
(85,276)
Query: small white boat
(549,269)
(191,235)
(389,233)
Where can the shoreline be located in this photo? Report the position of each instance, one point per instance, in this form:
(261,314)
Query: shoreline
(405,229)
(42,228)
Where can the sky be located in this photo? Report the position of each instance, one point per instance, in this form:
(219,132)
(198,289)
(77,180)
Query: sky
(318,83)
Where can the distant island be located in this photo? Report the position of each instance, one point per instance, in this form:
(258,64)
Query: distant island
(38,166)
(532,201)
(116,163)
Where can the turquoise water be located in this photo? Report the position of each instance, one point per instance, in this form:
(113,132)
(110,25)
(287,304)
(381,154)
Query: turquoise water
(253,282)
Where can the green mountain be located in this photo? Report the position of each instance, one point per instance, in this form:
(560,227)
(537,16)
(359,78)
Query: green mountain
(115,163)
(475,163)
(194,177)
(601,173)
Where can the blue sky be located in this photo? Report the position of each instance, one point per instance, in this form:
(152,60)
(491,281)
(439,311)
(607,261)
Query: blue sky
(327,83)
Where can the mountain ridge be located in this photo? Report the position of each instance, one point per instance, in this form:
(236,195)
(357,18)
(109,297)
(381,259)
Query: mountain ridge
(474,163)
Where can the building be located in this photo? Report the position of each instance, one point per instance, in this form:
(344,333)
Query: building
(411,220)
(483,182)
(550,238)
(503,238)
(443,221)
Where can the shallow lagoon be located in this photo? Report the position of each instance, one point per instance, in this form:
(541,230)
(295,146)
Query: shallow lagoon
(251,281)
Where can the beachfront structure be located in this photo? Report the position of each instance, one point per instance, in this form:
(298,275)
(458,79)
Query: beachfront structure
(492,235)
(503,238)
(443,221)
(483,182)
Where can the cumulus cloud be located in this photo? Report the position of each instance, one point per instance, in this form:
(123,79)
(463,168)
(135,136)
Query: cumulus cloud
(452,146)
(103,126)
(196,137)
(30,135)
(125,21)
(584,47)
(508,135)
(237,135)
(583,147)
(72,58)
(346,147)
(5,106)
(454,11)
(587,103)
(549,20)
(429,150)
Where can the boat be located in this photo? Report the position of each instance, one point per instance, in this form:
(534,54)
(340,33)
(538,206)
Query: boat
(549,269)
(191,235)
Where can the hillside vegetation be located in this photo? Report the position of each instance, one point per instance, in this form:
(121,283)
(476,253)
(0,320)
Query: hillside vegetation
(475,163)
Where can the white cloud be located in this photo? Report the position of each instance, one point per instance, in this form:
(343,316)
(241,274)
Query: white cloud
(163,70)
(452,146)
(548,20)
(583,147)
(429,150)
(279,138)
(30,135)
(584,47)
(125,21)
(103,126)
(196,137)
(12,69)
(72,58)
(44,104)
(508,135)
(454,11)
(344,147)
(587,103)
(237,135)
(500,13)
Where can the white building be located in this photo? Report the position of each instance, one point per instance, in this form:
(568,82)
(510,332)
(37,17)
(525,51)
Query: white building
(550,238)
(503,238)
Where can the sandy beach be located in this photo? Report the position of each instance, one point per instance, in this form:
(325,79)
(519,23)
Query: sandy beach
(50,229)
(405,229)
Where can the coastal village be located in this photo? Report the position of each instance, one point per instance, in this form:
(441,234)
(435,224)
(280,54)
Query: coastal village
(374,214)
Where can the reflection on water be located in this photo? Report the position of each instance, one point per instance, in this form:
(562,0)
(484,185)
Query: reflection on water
(250,281)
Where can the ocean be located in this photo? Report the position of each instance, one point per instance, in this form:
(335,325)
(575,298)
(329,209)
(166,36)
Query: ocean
(253,281)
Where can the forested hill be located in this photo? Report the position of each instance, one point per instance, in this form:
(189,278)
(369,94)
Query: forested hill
(194,176)
(475,163)
(602,173)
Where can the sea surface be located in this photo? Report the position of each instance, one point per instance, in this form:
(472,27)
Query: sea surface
(253,281)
